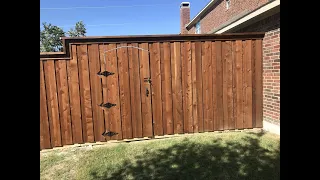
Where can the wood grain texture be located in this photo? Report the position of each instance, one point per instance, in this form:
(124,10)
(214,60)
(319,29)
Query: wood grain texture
(63,99)
(44,119)
(194,88)
(96,92)
(135,90)
(214,84)
(155,65)
(52,99)
(124,85)
(166,89)
(187,87)
(146,106)
(199,82)
(85,94)
(207,86)
(258,84)
(247,81)
(219,87)
(75,107)
(239,85)
(227,85)
(177,89)
(113,93)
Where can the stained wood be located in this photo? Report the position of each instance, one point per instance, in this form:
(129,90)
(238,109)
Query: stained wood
(214,84)
(124,87)
(258,83)
(96,93)
(219,87)
(253,70)
(166,89)
(113,93)
(44,119)
(177,89)
(187,87)
(52,100)
(194,88)
(207,86)
(85,94)
(247,84)
(227,85)
(145,86)
(63,99)
(73,82)
(198,68)
(155,61)
(239,85)
(103,58)
(135,90)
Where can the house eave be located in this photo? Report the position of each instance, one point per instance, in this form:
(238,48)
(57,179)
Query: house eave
(198,16)
(250,18)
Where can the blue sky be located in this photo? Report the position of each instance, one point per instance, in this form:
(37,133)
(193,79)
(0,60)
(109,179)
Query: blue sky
(142,17)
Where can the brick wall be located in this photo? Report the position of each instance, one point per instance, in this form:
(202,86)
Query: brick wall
(271,65)
(219,14)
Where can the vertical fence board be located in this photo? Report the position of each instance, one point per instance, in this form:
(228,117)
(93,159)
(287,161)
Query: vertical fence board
(247,84)
(113,93)
(44,122)
(85,94)
(207,86)
(199,81)
(63,99)
(95,80)
(145,86)
(214,84)
(52,99)
(166,89)
(124,85)
(105,86)
(258,83)
(194,89)
(134,70)
(227,85)
(177,89)
(75,107)
(156,88)
(239,85)
(219,87)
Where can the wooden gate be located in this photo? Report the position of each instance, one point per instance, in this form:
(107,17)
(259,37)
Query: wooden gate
(114,88)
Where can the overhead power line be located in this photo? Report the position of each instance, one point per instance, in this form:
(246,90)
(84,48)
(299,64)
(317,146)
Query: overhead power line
(90,25)
(102,7)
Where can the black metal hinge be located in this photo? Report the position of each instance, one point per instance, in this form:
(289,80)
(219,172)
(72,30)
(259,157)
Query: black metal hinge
(109,133)
(105,73)
(107,105)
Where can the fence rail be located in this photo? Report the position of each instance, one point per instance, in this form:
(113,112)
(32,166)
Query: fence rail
(142,86)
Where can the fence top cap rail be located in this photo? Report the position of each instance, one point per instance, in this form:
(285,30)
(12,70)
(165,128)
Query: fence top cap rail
(170,36)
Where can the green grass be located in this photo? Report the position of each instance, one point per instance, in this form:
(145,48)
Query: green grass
(233,155)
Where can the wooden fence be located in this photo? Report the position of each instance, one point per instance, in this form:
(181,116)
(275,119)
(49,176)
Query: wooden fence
(198,83)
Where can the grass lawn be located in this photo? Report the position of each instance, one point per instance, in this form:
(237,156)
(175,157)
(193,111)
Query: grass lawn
(232,155)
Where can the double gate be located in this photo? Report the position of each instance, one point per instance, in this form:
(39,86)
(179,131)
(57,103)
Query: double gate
(122,88)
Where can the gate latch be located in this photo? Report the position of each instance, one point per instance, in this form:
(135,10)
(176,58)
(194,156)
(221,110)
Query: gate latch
(147,80)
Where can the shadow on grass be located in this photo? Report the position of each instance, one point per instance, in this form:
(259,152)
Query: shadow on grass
(190,160)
